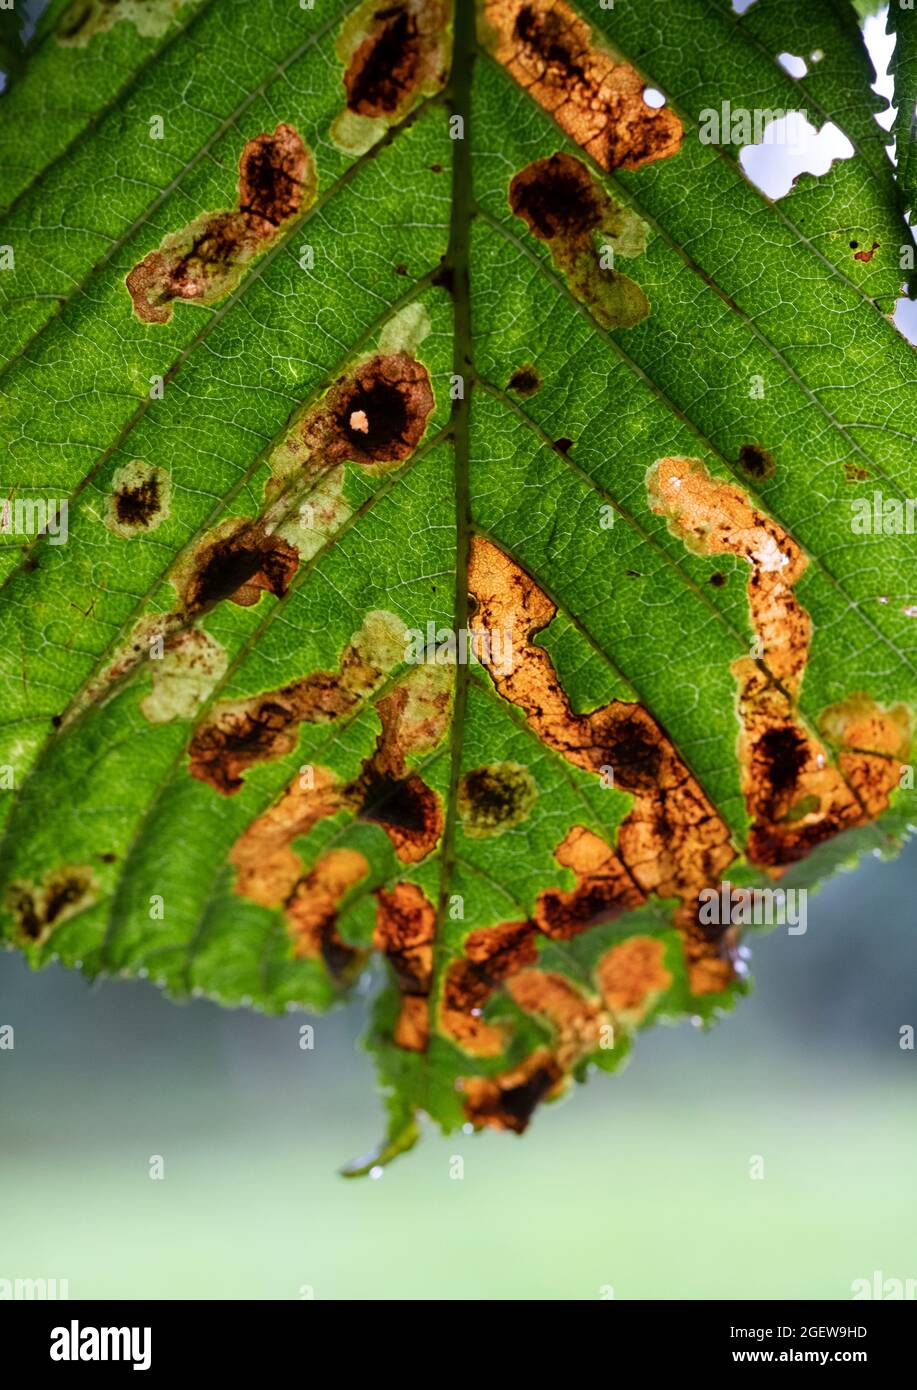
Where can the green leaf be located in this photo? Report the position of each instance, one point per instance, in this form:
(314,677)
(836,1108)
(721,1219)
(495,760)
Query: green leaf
(486,563)
(902,24)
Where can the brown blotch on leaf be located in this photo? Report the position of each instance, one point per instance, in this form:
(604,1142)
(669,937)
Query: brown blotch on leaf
(271,173)
(593,95)
(204,261)
(758,463)
(399,54)
(508,1101)
(873,746)
(494,798)
(796,796)
(240,733)
(558,198)
(406,809)
(139,498)
(267,869)
(604,888)
(39,908)
(239,565)
(387,793)
(577,1020)
(312,911)
(525,381)
(375,415)
(492,954)
(506,955)
(631,976)
(404,931)
(380,413)
(864,254)
(672,842)
(564,206)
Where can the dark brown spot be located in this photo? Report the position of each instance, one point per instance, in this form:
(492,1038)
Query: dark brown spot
(556,197)
(38,909)
(271,173)
(784,754)
(494,798)
(380,413)
(630,748)
(564,206)
(756,462)
(508,1101)
(444,277)
(717,580)
(134,506)
(405,808)
(563,444)
(239,567)
(384,69)
(525,381)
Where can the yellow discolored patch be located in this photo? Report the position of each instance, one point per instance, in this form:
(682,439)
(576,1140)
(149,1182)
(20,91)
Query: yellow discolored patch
(191,665)
(83,19)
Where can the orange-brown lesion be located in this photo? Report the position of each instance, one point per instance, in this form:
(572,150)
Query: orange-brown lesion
(595,97)
(204,261)
(312,910)
(604,888)
(576,1019)
(404,931)
(491,955)
(796,796)
(672,842)
(631,976)
(506,1101)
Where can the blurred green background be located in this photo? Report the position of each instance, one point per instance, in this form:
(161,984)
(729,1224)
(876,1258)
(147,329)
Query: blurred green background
(639,1181)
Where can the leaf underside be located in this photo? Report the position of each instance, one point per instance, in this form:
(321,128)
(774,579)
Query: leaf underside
(459,573)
